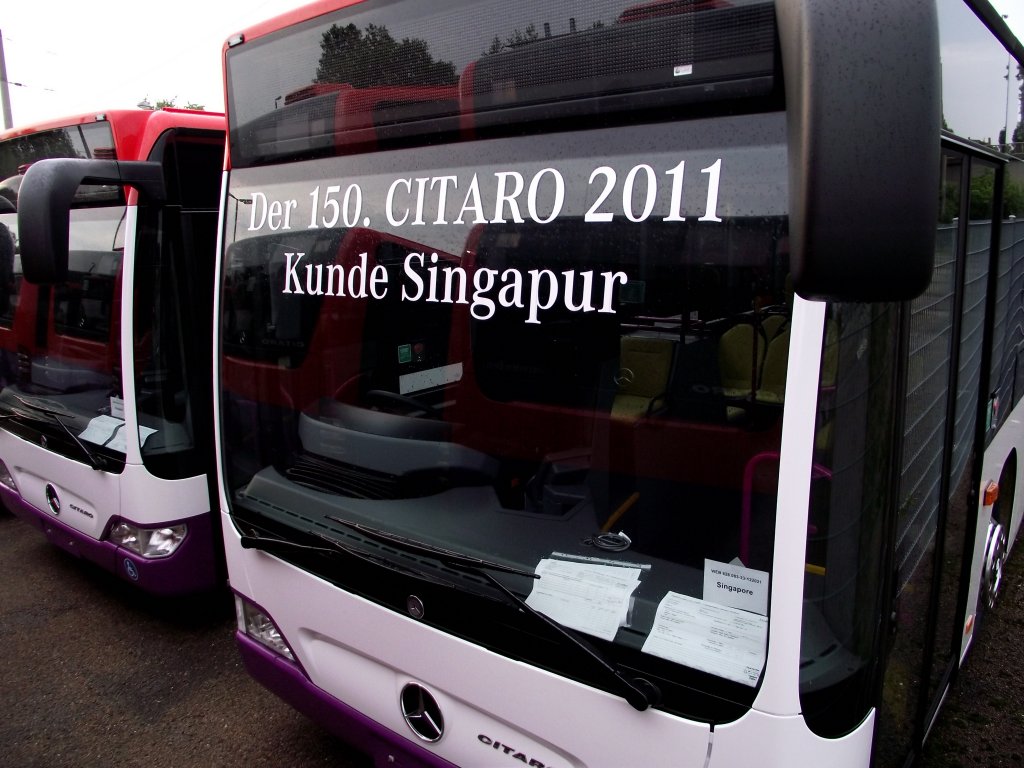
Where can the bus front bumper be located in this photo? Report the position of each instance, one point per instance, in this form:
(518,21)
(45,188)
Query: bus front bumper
(193,567)
(288,682)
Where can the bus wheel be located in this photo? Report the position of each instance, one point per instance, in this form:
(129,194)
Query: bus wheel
(995,559)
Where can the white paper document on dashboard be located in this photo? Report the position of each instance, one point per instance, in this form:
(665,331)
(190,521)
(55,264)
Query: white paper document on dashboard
(724,641)
(109,432)
(591,598)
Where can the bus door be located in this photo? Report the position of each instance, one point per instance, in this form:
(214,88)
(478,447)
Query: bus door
(946,338)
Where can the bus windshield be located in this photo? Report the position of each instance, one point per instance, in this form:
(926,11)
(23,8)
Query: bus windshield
(540,341)
(61,343)
(88,141)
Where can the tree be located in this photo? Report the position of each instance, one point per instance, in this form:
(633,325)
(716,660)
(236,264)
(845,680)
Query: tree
(518,37)
(27,149)
(982,196)
(1018,132)
(161,103)
(372,57)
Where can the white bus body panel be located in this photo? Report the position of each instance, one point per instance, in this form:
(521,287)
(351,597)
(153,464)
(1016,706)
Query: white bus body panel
(1007,441)
(780,688)
(770,741)
(88,498)
(546,717)
(364,655)
(147,499)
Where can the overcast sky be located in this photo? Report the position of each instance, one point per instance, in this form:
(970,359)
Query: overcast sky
(65,57)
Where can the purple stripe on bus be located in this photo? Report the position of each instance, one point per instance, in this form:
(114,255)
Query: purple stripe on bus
(289,683)
(194,567)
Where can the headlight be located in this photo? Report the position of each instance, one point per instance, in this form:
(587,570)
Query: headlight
(255,624)
(6,478)
(149,542)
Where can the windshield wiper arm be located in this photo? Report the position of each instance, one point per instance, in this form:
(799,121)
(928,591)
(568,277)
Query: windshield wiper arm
(639,692)
(95,460)
(276,546)
(267,544)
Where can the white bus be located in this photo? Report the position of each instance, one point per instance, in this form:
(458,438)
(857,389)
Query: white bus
(604,384)
(105,340)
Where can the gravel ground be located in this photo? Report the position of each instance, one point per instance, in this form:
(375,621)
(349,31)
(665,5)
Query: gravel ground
(982,722)
(94,674)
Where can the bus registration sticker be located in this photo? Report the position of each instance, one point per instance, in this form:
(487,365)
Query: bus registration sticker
(733,585)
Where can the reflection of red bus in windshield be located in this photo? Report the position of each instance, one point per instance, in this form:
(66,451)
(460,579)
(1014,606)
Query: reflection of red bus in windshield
(105,437)
(75,324)
(344,117)
(657,8)
(646,386)
(67,336)
(297,316)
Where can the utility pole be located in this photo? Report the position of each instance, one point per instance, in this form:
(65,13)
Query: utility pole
(1007,135)
(5,92)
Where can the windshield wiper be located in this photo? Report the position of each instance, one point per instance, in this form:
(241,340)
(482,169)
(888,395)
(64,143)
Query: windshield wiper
(268,544)
(639,692)
(276,546)
(95,460)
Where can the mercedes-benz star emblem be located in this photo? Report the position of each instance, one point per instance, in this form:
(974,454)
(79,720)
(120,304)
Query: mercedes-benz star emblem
(422,713)
(415,607)
(52,499)
(624,377)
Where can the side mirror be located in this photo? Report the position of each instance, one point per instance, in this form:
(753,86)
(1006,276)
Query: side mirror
(44,206)
(863,104)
